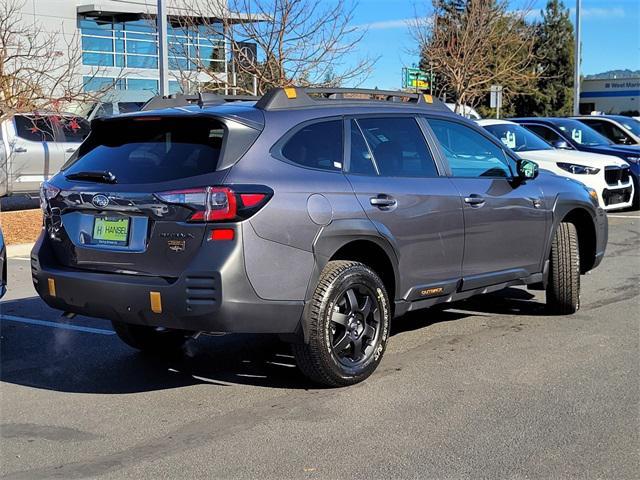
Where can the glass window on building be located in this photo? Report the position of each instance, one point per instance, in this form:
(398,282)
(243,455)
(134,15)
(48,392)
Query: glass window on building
(93,84)
(109,42)
(142,84)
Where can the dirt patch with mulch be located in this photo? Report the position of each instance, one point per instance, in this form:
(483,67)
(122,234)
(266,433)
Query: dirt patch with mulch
(22,226)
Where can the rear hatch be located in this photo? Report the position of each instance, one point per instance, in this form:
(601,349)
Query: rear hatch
(137,196)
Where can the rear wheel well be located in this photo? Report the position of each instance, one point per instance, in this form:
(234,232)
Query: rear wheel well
(586,236)
(374,257)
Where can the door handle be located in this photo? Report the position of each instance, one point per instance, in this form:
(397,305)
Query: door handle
(382,201)
(70,150)
(474,200)
(19,150)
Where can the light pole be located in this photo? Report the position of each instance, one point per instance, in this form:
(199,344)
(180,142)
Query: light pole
(576,73)
(163,59)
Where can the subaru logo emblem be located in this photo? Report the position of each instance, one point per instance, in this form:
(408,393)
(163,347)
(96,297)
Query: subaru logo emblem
(100,201)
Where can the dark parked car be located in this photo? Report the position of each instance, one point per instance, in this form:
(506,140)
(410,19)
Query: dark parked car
(619,129)
(318,215)
(574,135)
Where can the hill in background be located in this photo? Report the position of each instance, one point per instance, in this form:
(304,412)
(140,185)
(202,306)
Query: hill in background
(626,73)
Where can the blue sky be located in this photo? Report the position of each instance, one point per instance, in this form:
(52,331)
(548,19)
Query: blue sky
(610,35)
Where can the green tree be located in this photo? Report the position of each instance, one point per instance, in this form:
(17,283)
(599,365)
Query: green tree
(553,95)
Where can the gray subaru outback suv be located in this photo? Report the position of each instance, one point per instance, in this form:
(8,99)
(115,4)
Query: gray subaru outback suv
(317,215)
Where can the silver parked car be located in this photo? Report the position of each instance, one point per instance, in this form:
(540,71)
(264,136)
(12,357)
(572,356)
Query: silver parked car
(3,266)
(33,148)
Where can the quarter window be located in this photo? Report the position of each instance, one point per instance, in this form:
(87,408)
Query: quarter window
(318,145)
(469,153)
(398,147)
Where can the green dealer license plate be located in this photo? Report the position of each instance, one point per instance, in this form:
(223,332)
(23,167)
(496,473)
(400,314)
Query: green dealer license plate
(111,231)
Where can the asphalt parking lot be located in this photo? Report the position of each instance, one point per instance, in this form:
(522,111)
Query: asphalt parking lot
(488,388)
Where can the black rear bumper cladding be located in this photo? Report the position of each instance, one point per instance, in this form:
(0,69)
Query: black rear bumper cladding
(216,299)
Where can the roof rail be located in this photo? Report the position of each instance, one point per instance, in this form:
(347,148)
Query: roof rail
(297,97)
(183,100)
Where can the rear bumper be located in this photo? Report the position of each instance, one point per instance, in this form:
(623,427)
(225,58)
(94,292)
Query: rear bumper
(213,294)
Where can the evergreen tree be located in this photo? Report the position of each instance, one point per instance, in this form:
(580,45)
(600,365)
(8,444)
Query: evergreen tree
(554,49)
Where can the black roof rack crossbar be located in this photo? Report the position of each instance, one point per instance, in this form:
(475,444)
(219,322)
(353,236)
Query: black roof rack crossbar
(297,97)
(182,100)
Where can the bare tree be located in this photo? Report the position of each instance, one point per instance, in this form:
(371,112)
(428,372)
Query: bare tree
(473,44)
(301,42)
(39,70)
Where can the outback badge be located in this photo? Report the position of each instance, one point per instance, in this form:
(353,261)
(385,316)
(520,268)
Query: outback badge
(429,292)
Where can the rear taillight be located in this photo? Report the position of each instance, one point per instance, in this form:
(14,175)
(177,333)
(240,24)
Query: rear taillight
(47,192)
(218,204)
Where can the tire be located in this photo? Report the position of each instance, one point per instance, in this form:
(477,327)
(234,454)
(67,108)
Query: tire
(150,339)
(348,321)
(563,286)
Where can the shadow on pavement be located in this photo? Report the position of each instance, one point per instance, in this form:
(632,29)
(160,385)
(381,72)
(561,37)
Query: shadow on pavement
(72,361)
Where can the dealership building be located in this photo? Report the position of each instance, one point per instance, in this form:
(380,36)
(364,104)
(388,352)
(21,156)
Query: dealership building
(119,42)
(610,95)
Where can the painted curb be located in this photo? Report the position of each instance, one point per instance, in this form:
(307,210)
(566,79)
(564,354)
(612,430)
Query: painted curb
(19,250)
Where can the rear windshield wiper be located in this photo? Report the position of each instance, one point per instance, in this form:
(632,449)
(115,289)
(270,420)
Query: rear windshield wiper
(103,177)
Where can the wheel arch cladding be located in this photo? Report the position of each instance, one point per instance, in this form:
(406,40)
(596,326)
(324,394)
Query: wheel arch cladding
(586,230)
(374,256)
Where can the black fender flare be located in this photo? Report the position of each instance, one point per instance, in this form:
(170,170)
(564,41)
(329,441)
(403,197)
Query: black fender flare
(334,236)
(562,206)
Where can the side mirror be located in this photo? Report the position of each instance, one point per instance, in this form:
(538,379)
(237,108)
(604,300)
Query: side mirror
(561,144)
(527,170)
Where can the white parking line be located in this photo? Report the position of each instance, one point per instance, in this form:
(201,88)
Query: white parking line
(64,326)
(624,216)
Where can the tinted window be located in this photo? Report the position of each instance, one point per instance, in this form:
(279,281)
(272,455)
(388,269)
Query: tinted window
(34,129)
(318,145)
(610,131)
(517,138)
(630,124)
(398,146)
(545,132)
(152,150)
(580,133)
(72,129)
(126,107)
(469,153)
(104,110)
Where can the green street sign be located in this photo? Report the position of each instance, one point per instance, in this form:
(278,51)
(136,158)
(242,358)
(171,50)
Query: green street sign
(415,78)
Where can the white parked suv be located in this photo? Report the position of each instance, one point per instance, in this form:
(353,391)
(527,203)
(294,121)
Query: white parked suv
(600,172)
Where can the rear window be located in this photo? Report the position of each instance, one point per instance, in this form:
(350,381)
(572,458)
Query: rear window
(151,150)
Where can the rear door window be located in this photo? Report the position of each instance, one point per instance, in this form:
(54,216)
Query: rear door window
(149,150)
(316,145)
(397,146)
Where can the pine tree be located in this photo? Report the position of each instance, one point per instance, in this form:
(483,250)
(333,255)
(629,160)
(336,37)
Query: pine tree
(554,48)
